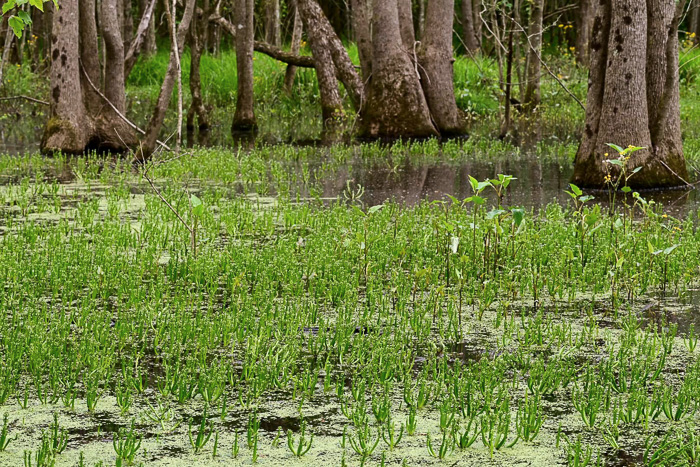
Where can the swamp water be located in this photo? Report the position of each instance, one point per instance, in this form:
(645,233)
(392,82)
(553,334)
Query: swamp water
(301,313)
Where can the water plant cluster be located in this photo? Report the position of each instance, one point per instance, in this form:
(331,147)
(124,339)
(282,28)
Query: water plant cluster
(466,330)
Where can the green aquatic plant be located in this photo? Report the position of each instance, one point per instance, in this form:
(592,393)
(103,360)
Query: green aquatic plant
(126,444)
(302,445)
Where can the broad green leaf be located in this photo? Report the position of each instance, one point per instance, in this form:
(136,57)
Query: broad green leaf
(17,25)
(39,4)
(626,189)
(670,249)
(197,206)
(478,200)
(494,213)
(586,198)
(7,6)
(24,17)
(518,215)
(616,162)
(576,190)
(374,209)
(616,147)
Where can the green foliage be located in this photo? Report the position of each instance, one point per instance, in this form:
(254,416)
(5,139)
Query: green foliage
(21,19)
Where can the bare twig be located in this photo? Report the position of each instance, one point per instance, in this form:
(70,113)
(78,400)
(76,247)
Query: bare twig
(121,115)
(675,174)
(546,67)
(31,99)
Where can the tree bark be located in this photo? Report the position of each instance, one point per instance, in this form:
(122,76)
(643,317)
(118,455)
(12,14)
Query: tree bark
(584,21)
(532,98)
(633,95)
(272,22)
(437,74)
(408,34)
(149,40)
(331,102)
(68,129)
(141,40)
(324,35)
(467,19)
(361,20)
(128,30)
(291,71)
(196,47)
(244,118)
(396,106)
(114,52)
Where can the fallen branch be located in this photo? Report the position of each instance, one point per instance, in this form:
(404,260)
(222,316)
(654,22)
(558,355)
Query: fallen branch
(270,50)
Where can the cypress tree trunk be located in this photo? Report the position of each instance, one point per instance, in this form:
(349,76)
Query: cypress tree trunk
(244,119)
(437,74)
(633,94)
(68,129)
(396,106)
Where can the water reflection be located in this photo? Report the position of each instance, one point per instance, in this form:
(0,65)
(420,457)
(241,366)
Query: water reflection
(538,184)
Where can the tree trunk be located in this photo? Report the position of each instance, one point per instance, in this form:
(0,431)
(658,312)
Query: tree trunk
(396,106)
(114,53)
(9,37)
(408,34)
(633,95)
(584,21)
(531,99)
(128,32)
(324,35)
(149,39)
(694,27)
(331,102)
(469,34)
(296,46)
(166,89)
(421,19)
(68,129)
(244,117)
(272,22)
(435,58)
(361,21)
(197,109)
(141,40)
(89,54)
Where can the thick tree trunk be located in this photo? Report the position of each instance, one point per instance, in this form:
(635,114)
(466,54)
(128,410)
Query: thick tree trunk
(291,71)
(396,106)
(633,95)
(584,21)
(68,129)
(531,99)
(435,58)
(244,117)
(166,89)
(408,34)
(361,20)
(471,42)
(272,22)
(331,102)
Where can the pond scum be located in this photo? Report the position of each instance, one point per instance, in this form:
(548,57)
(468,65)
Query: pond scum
(293,329)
